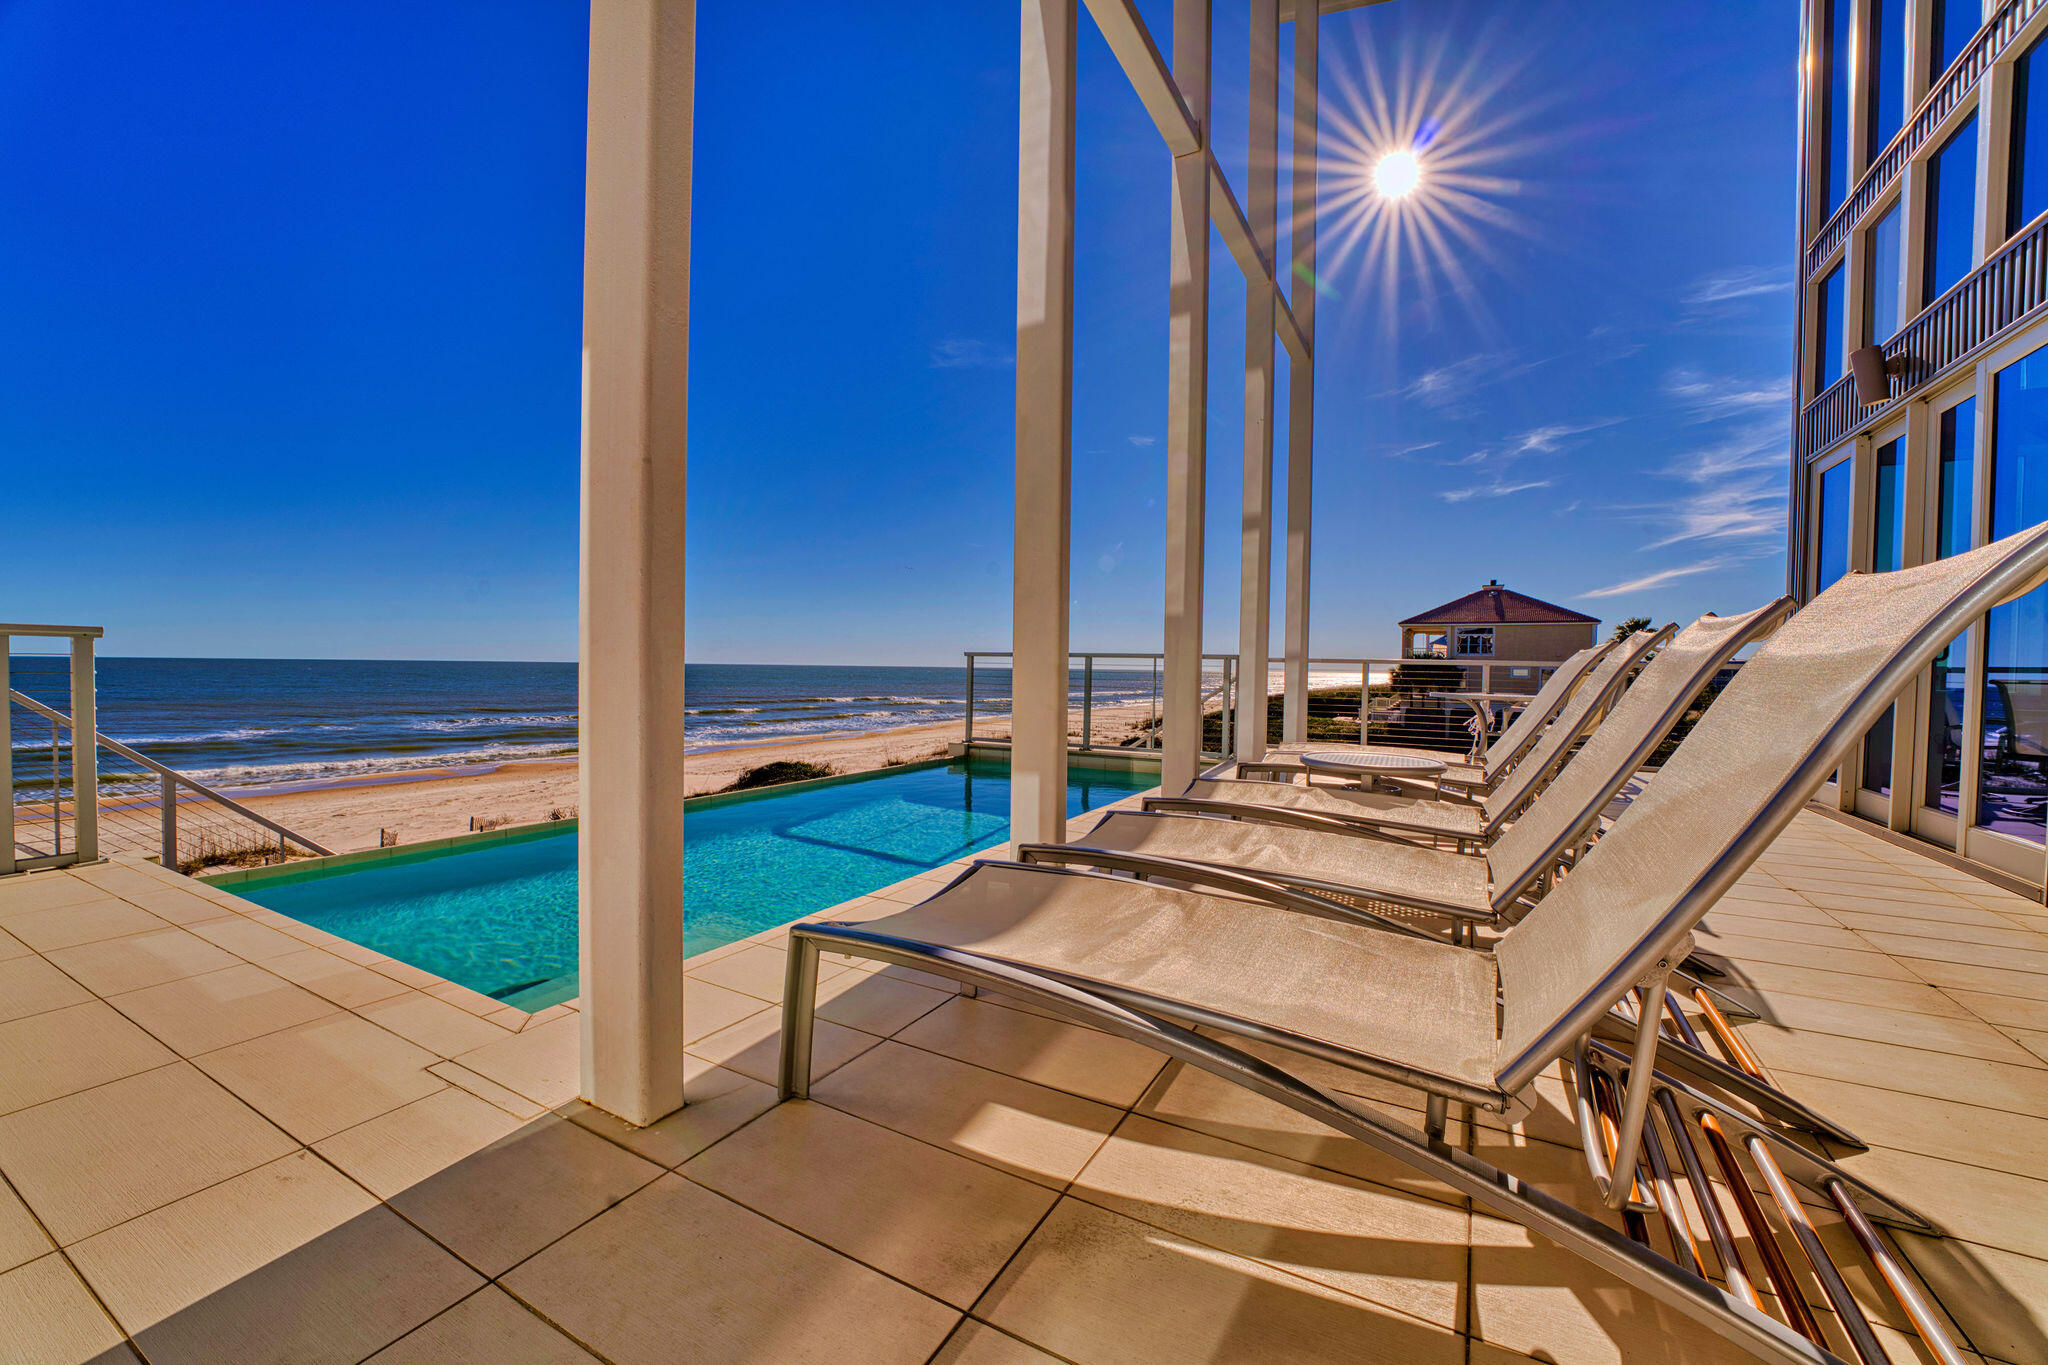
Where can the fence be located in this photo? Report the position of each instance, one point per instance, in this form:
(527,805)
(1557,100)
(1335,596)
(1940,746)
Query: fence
(1113,701)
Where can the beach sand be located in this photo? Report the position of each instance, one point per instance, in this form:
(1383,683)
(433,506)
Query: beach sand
(434,803)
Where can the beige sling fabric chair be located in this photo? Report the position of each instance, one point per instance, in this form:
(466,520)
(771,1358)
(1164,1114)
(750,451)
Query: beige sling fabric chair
(1472,816)
(1501,755)
(1150,963)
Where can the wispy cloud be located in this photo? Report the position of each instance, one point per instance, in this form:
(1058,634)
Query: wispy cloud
(1729,285)
(1741,510)
(1406,452)
(966,353)
(1713,396)
(1658,579)
(1546,440)
(1143,441)
(1498,488)
(1447,389)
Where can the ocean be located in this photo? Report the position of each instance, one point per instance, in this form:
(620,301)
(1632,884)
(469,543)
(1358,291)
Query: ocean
(267,723)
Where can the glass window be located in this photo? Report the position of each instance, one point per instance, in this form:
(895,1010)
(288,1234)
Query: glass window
(1887,552)
(1887,72)
(2026,192)
(1476,641)
(1829,321)
(1951,211)
(1831,549)
(1887,267)
(1955,23)
(1834,110)
(2012,776)
(1956,464)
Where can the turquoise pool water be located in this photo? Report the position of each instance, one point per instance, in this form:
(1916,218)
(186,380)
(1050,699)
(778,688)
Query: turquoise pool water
(501,918)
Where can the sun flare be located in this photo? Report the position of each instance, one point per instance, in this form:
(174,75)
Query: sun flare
(1397,174)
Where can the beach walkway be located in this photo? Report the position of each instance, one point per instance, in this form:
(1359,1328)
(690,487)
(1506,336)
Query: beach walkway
(229,1136)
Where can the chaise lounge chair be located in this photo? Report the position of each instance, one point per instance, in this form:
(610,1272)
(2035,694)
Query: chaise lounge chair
(1468,816)
(1150,963)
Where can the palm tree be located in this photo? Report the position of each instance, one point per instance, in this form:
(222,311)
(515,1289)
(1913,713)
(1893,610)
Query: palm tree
(1631,626)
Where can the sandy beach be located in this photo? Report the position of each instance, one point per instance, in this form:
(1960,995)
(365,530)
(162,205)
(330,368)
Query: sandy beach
(435,803)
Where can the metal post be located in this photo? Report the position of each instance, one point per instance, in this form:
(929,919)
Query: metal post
(1255,536)
(1040,685)
(1087,701)
(968,736)
(6,760)
(1364,702)
(167,798)
(56,776)
(85,753)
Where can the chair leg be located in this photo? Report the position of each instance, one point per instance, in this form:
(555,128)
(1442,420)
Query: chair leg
(799,1016)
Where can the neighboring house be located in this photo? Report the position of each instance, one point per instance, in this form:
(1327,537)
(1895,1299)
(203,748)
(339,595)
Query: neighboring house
(1497,622)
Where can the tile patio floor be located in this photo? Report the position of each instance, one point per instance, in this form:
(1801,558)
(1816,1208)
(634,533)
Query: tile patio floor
(226,1136)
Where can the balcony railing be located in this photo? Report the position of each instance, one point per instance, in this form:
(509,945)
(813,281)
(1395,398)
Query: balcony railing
(1113,701)
(33,833)
(1948,92)
(1999,293)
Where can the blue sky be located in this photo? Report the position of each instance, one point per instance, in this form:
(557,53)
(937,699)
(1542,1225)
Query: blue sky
(289,312)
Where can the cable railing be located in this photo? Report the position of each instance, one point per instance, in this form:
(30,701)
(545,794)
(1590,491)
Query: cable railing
(1431,702)
(1114,701)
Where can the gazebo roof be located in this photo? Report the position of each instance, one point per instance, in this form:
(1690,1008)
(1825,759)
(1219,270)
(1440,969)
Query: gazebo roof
(1493,605)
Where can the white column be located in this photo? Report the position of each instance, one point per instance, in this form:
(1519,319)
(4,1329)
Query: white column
(1301,379)
(1045,407)
(636,310)
(85,755)
(1187,410)
(1255,549)
(7,758)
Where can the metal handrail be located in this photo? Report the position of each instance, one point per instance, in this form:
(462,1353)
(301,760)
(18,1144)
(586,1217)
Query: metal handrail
(1227,689)
(1943,97)
(173,779)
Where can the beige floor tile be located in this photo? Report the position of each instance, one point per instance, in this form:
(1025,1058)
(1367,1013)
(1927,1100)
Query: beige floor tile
(1945,930)
(976,1343)
(1964,976)
(1773,979)
(2000,1139)
(469,1001)
(1365,1240)
(21,1240)
(290,1262)
(245,938)
(433,1023)
(707,1008)
(489,1327)
(1950,949)
(30,985)
(47,1317)
(122,875)
(716,1102)
(752,970)
(2000,1300)
(1028,1130)
(91,1160)
(395,1151)
(500,1205)
(937,1221)
(1534,1297)
(544,1064)
(203,1013)
(1722,923)
(44,930)
(1841,1018)
(1093,1285)
(2006,1011)
(61,1052)
(876,1004)
(753,1046)
(518,1106)
(1851,961)
(334,978)
(174,904)
(116,965)
(1964,1080)
(1974,1203)
(1035,1048)
(46,891)
(12,947)
(315,1079)
(656,1271)
(404,973)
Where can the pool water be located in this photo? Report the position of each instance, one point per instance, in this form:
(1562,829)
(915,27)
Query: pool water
(501,917)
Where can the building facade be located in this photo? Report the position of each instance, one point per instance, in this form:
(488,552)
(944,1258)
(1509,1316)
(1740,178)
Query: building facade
(1923,244)
(1497,622)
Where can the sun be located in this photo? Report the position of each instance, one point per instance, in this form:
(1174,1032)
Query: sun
(1397,174)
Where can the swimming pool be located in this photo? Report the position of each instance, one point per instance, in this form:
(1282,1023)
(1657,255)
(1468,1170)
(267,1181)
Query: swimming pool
(501,917)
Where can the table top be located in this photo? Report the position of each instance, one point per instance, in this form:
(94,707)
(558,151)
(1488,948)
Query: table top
(1371,763)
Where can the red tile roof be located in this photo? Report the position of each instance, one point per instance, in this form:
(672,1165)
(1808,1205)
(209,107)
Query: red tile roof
(1494,605)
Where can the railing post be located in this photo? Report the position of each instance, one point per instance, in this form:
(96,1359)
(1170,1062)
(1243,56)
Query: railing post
(1087,701)
(1364,701)
(968,736)
(56,775)
(6,760)
(167,797)
(85,753)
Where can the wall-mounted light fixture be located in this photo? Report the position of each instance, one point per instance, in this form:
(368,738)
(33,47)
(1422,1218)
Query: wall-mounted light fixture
(1872,373)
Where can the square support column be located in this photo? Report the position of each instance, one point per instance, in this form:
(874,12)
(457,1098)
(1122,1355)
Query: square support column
(1301,377)
(1255,550)
(1187,411)
(1045,423)
(636,331)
